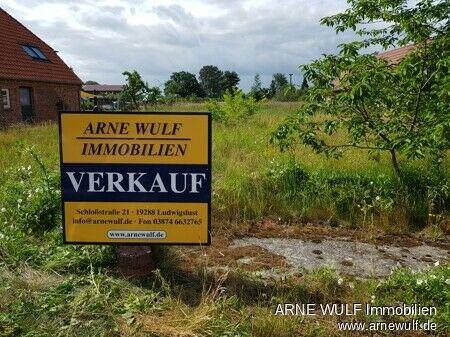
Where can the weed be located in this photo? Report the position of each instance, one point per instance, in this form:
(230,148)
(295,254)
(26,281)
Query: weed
(425,288)
(32,202)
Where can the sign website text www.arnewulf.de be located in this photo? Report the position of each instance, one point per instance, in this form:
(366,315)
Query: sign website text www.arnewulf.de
(136,177)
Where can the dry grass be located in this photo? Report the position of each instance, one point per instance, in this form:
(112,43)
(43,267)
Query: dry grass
(213,315)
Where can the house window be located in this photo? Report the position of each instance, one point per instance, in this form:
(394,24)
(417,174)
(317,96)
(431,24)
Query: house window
(34,52)
(5,98)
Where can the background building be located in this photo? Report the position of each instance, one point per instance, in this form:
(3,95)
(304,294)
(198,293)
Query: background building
(34,81)
(102,89)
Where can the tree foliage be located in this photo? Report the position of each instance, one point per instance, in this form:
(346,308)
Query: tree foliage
(400,108)
(305,84)
(154,95)
(257,90)
(236,107)
(230,81)
(278,84)
(210,78)
(216,82)
(183,84)
(135,91)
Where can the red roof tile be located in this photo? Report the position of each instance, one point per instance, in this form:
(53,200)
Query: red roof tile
(395,55)
(16,64)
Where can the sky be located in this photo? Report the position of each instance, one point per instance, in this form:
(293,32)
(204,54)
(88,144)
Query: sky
(101,39)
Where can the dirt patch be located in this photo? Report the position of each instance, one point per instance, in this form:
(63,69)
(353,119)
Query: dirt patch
(221,254)
(320,230)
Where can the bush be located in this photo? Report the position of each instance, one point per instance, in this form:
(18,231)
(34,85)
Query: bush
(87,105)
(235,107)
(31,202)
(290,177)
(357,197)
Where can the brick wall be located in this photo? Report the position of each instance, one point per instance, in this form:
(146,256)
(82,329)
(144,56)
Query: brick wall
(45,97)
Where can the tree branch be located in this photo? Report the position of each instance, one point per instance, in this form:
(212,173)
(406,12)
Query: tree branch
(364,147)
(421,87)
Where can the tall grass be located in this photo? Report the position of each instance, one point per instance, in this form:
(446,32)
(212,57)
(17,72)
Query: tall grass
(252,179)
(51,289)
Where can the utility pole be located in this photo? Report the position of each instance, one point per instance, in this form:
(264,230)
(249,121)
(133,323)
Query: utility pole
(290,79)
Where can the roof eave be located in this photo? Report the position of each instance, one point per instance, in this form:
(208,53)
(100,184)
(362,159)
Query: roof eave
(42,80)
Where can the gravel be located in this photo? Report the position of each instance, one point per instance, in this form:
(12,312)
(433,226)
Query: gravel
(349,257)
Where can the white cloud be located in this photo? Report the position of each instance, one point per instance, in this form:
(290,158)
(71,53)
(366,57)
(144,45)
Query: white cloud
(101,39)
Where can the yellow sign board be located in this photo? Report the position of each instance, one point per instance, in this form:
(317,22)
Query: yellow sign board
(133,178)
(159,139)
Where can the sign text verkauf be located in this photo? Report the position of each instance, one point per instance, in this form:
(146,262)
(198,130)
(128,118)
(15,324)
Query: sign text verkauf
(136,177)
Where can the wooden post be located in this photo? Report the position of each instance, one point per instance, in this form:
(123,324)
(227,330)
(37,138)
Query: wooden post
(135,261)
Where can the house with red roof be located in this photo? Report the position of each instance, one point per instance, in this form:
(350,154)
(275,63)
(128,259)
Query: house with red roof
(394,56)
(35,83)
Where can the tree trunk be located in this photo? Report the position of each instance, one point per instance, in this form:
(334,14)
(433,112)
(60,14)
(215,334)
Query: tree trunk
(395,163)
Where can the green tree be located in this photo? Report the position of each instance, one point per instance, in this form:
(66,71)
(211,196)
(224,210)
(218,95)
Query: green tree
(305,84)
(229,81)
(91,83)
(210,78)
(134,92)
(183,84)
(257,90)
(278,84)
(398,108)
(154,95)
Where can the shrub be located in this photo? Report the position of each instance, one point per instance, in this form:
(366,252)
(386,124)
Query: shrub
(87,105)
(193,98)
(290,177)
(236,106)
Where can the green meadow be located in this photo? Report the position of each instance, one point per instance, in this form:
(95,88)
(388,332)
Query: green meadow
(51,289)
(253,179)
